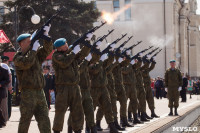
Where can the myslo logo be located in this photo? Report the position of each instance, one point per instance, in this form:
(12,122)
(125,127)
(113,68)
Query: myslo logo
(186,129)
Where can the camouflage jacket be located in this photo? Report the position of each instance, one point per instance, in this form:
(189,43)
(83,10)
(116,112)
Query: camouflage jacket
(66,66)
(173,78)
(98,73)
(127,72)
(145,73)
(138,73)
(28,67)
(111,81)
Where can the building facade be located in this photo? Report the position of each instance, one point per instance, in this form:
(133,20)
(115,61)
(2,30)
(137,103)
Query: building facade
(173,25)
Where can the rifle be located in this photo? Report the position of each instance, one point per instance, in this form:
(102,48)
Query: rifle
(107,49)
(138,54)
(130,48)
(152,60)
(40,32)
(102,38)
(81,40)
(123,44)
(151,51)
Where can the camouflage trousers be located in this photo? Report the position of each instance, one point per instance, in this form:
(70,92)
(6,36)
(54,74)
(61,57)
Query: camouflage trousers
(101,97)
(33,102)
(141,94)
(173,96)
(88,108)
(113,97)
(149,97)
(131,93)
(121,97)
(68,96)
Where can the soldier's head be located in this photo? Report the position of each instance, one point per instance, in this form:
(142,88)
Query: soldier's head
(158,78)
(24,41)
(61,44)
(5,59)
(172,63)
(46,69)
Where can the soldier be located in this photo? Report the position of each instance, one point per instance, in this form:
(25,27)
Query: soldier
(147,84)
(31,82)
(99,90)
(67,77)
(141,93)
(113,97)
(120,90)
(49,86)
(173,83)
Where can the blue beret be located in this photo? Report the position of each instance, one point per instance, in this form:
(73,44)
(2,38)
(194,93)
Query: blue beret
(23,36)
(59,42)
(172,61)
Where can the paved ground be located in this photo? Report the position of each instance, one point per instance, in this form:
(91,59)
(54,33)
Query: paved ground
(161,109)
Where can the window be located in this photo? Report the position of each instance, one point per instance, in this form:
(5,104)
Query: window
(128,11)
(116,7)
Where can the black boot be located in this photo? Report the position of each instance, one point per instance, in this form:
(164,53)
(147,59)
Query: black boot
(153,114)
(118,126)
(125,122)
(79,131)
(87,130)
(175,112)
(148,116)
(136,121)
(98,125)
(56,131)
(69,129)
(93,129)
(171,112)
(130,117)
(113,129)
(143,117)
(139,114)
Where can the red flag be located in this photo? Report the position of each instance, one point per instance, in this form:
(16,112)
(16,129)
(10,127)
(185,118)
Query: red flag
(3,37)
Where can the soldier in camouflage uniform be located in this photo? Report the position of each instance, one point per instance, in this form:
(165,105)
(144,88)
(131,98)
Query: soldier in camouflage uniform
(87,101)
(31,82)
(130,87)
(113,97)
(147,84)
(120,90)
(141,93)
(99,91)
(67,77)
(173,83)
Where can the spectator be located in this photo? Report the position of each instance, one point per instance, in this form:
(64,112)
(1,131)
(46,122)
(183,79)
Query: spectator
(152,86)
(184,88)
(159,88)
(190,86)
(4,81)
(198,87)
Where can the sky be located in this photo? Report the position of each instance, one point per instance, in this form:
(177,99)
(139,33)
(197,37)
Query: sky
(198,9)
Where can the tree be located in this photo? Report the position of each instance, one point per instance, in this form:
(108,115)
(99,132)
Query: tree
(76,18)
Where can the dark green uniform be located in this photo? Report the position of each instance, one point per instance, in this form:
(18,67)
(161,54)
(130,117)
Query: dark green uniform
(67,77)
(99,91)
(130,87)
(31,83)
(173,80)
(112,93)
(147,84)
(141,93)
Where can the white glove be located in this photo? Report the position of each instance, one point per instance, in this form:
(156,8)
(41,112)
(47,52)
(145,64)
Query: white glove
(140,54)
(112,47)
(89,36)
(98,44)
(132,62)
(36,45)
(47,29)
(89,57)
(104,57)
(76,49)
(148,56)
(33,34)
(180,88)
(154,58)
(128,52)
(166,89)
(114,61)
(121,49)
(120,60)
